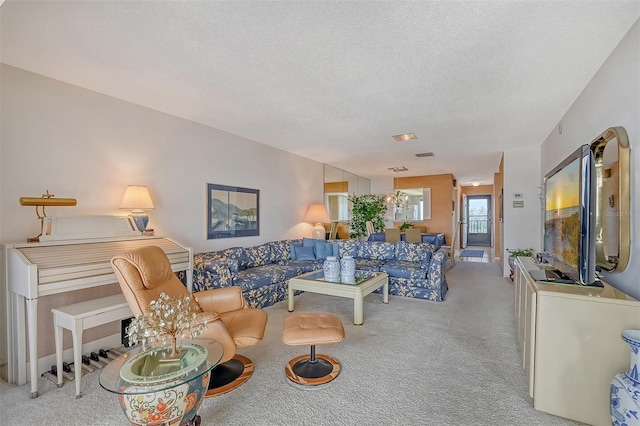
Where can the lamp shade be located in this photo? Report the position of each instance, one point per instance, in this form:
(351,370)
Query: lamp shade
(137,197)
(317,213)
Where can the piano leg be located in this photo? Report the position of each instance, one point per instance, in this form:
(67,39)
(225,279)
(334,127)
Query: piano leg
(57,334)
(32,324)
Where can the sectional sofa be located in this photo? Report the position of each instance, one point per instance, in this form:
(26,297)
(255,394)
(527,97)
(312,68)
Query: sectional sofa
(414,269)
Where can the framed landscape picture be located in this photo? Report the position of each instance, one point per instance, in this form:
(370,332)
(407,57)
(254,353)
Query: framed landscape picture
(232,211)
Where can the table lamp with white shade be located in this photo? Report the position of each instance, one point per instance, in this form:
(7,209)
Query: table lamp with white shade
(137,199)
(318,215)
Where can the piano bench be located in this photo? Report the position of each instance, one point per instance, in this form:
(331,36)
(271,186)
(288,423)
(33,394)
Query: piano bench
(79,317)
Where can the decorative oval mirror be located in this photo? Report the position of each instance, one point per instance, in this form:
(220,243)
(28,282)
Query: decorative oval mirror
(613,199)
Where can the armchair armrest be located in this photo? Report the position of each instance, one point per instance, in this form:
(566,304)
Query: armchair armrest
(208,316)
(221,300)
(437,267)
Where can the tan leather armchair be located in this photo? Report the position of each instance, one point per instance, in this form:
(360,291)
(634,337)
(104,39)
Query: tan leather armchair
(145,273)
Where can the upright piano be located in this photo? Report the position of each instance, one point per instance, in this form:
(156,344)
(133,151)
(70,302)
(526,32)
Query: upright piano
(61,270)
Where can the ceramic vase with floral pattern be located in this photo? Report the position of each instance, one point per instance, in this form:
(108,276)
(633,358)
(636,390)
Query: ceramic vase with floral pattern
(347,267)
(331,267)
(625,386)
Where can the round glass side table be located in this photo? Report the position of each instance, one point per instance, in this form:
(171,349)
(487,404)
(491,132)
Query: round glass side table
(157,388)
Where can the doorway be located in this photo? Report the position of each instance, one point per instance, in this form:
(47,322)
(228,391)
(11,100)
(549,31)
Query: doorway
(478,214)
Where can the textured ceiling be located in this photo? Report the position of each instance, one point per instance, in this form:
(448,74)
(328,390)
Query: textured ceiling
(334,81)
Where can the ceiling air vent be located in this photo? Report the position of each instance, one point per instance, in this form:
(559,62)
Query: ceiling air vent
(425,154)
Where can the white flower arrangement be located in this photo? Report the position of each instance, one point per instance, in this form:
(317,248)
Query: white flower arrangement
(167,318)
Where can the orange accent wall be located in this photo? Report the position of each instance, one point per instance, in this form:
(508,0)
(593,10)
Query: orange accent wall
(441,200)
(478,190)
(336,186)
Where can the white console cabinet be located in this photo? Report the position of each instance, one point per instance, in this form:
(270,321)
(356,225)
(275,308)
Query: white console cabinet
(569,336)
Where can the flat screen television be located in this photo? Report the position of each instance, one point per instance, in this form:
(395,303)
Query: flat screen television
(569,218)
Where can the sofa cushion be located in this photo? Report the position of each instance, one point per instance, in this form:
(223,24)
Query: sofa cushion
(215,262)
(280,250)
(304,265)
(414,252)
(305,253)
(376,250)
(212,274)
(231,252)
(369,264)
(265,275)
(404,269)
(255,256)
(252,278)
(348,247)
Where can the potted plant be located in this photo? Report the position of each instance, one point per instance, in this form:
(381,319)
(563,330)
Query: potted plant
(405,225)
(513,253)
(365,208)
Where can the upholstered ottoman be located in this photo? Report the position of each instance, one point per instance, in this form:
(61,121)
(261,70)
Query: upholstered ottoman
(312,328)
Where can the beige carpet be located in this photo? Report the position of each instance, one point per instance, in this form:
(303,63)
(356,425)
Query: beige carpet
(413,362)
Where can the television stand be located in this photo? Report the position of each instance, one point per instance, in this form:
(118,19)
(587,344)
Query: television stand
(569,337)
(556,276)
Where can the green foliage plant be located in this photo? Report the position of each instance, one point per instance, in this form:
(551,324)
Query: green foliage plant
(405,225)
(520,252)
(368,207)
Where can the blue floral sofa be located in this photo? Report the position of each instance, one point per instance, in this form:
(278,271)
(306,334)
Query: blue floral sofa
(414,269)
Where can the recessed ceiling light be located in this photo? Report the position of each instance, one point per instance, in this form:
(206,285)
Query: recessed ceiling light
(425,154)
(399,169)
(405,137)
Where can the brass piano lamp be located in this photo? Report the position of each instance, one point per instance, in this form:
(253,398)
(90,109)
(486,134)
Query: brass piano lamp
(45,201)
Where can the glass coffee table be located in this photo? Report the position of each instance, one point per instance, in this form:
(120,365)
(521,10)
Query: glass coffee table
(356,288)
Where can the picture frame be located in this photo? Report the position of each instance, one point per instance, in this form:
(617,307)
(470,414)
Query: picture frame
(232,211)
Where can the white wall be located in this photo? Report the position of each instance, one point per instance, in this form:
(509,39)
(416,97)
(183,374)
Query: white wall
(521,225)
(81,144)
(612,98)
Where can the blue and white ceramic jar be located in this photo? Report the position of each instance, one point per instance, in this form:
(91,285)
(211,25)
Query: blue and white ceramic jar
(625,386)
(331,267)
(347,267)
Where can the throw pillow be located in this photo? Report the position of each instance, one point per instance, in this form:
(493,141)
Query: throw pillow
(309,242)
(292,249)
(322,249)
(304,253)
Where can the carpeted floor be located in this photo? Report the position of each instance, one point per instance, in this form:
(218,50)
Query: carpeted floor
(472,253)
(413,362)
